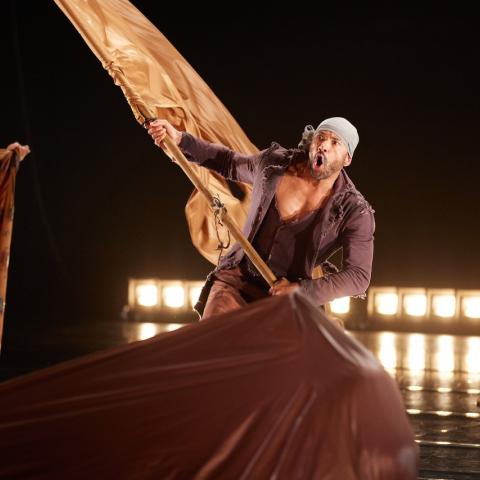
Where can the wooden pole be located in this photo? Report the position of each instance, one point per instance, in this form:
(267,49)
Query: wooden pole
(178,157)
(144,116)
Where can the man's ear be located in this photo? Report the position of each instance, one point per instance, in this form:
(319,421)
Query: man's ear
(347,161)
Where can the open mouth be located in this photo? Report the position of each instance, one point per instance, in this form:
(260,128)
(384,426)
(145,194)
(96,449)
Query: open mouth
(319,160)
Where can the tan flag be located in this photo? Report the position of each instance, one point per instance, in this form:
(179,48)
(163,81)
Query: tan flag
(8,172)
(157,80)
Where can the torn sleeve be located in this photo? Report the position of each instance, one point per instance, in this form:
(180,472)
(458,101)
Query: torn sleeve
(220,159)
(354,277)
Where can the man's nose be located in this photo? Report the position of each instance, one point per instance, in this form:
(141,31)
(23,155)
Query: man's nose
(324,146)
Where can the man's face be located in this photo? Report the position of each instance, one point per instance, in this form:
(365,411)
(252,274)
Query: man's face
(327,155)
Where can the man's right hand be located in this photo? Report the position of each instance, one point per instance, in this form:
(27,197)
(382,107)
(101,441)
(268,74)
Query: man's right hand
(159,129)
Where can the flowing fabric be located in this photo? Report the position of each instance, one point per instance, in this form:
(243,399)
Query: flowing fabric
(273,390)
(8,173)
(158,81)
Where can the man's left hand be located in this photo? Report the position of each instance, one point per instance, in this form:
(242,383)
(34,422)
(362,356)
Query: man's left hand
(282,287)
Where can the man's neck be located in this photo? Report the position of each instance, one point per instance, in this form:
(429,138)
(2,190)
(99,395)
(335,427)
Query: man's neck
(324,185)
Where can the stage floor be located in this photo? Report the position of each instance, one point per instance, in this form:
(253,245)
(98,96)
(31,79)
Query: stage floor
(438,376)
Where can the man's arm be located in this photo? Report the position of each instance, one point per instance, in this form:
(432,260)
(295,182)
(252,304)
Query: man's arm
(218,158)
(354,278)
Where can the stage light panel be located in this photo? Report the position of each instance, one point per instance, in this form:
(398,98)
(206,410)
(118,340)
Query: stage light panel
(173,295)
(470,305)
(340,306)
(384,301)
(146,294)
(194,290)
(443,305)
(413,302)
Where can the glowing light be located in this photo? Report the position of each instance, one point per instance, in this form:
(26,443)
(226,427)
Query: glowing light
(415,304)
(416,352)
(444,389)
(472,357)
(146,294)
(443,413)
(387,354)
(471,307)
(472,415)
(170,327)
(445,359)
(415,388)
(473,391)
(174,296)
(386,303)
(194,294)
(147,330)
(444,305)
(340,305)
(413,411)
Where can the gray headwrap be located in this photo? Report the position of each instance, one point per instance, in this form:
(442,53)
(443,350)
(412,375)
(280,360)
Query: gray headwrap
(338,125)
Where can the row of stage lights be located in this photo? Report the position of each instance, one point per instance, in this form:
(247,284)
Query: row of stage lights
(421,303)
(166,295)
(180,296)
(156,295)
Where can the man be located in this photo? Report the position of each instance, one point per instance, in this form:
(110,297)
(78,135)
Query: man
(304,208)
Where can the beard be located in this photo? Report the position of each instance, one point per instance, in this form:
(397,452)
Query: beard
(318,166)
(322,167)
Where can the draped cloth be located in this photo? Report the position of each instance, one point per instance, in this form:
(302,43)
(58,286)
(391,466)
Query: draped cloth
(157,80)
(8,173)
(272,390)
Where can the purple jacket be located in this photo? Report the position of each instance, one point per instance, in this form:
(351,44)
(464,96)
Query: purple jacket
(346,221)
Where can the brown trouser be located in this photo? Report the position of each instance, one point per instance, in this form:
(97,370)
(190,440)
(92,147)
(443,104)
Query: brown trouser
(230,290)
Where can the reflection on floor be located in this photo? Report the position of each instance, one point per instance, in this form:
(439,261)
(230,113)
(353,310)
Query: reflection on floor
(438,376)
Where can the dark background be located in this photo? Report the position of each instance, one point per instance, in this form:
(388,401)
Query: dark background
(97,202)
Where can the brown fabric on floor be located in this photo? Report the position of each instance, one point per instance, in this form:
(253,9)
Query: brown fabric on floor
(271,390)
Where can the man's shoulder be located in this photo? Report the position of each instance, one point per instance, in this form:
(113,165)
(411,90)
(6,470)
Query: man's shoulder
(278,155)
(274,150)
(353,198)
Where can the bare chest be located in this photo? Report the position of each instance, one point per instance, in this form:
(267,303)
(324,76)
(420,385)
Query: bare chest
(295,197)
